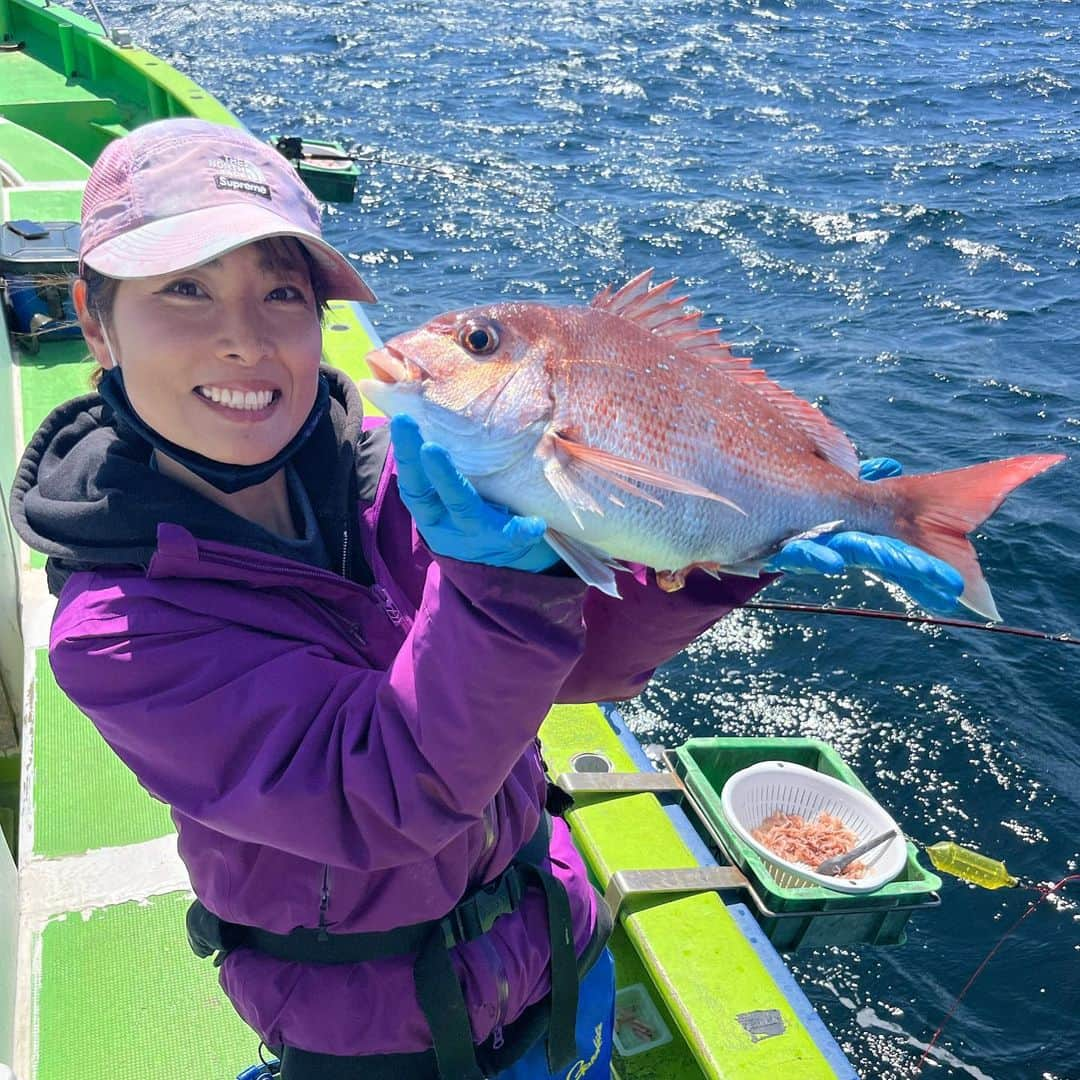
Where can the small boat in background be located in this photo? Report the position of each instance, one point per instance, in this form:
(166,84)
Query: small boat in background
(326,167)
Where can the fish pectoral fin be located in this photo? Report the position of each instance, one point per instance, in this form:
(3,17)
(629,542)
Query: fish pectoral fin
(591,565)
(627,474)
(573,495)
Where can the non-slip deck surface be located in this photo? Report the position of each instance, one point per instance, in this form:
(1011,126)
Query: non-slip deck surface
(85,797)
(124,998)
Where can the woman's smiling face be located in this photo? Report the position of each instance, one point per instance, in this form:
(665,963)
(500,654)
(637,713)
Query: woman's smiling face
(222,359)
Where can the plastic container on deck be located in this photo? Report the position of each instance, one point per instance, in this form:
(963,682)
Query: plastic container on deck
(35,259)
(638,1025)
(795,915)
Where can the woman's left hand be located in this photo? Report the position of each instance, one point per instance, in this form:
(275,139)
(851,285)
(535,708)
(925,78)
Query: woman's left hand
(932,583)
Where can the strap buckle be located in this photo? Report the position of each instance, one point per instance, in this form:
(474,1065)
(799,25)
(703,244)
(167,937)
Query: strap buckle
(476,914)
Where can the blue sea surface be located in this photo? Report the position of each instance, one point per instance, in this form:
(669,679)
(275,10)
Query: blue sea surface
(880,203)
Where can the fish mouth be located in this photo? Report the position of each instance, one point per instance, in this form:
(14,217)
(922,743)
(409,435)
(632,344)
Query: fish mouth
(389,365)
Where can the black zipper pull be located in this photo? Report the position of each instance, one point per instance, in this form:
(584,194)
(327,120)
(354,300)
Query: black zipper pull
(324,904)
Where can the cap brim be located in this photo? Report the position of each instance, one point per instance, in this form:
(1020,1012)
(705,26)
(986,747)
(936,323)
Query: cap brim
(187,240)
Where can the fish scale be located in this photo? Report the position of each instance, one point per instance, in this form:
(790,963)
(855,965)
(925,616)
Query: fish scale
(641,438)
(723,436)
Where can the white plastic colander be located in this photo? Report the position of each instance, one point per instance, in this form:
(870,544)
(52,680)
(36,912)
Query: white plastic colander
(752,794)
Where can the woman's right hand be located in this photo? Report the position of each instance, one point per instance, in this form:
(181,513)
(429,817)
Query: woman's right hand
(453,518)
(931,582)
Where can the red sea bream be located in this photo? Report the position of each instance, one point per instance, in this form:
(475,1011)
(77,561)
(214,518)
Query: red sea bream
(640,438)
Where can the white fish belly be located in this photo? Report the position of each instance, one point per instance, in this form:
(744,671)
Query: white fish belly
(684,529)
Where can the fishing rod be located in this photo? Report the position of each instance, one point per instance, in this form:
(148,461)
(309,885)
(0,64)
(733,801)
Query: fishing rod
(927,620)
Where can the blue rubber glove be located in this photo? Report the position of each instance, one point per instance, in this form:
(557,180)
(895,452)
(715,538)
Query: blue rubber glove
(877,468)
(932,583)
(453,518)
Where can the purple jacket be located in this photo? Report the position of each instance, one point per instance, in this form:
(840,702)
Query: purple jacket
(358,756)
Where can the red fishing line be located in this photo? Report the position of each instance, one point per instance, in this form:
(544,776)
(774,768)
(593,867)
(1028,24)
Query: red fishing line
(1043,892)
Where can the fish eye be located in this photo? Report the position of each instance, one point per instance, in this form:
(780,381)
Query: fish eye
(479,336)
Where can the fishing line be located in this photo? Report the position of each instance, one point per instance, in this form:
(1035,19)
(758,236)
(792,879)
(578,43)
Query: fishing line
(928,620)
(1043,892)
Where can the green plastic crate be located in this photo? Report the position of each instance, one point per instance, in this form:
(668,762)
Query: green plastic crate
(810,916)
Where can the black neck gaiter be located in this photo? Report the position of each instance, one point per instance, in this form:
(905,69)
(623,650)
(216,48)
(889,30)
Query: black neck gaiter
(227,478)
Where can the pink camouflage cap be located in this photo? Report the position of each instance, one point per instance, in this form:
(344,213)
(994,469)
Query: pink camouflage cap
(177,193)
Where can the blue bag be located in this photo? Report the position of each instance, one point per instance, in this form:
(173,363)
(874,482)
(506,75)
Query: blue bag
(595,1020)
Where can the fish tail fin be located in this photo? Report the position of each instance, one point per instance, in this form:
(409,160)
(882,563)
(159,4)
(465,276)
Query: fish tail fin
(939,509)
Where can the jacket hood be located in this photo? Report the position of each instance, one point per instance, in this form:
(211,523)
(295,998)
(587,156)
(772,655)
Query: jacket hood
(86,496)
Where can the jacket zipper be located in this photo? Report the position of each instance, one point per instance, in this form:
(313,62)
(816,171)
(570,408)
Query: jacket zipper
(324,903)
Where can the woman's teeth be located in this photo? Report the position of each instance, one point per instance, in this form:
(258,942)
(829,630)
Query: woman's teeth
(238,399)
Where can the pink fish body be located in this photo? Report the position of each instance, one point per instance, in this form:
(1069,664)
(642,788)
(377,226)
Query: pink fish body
(639,437)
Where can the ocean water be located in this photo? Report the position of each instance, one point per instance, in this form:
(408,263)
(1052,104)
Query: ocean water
(881,204)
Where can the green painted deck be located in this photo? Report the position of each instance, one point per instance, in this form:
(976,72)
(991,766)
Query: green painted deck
(85,796)
(125,998)
(59,371)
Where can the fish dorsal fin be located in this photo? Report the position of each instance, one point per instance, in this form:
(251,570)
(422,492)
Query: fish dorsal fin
(833,444)
(651,307)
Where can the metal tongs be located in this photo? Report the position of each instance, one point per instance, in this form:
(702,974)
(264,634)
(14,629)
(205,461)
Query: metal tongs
(832,866)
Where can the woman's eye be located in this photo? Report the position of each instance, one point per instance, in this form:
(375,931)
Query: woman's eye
(184,288)
(479,338)
(287,293)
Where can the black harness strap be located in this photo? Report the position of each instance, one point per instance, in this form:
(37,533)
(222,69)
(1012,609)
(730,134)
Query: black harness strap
(443,1005)
(438,989)
(561,1042)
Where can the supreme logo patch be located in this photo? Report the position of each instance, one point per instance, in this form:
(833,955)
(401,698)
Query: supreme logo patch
(236,174)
